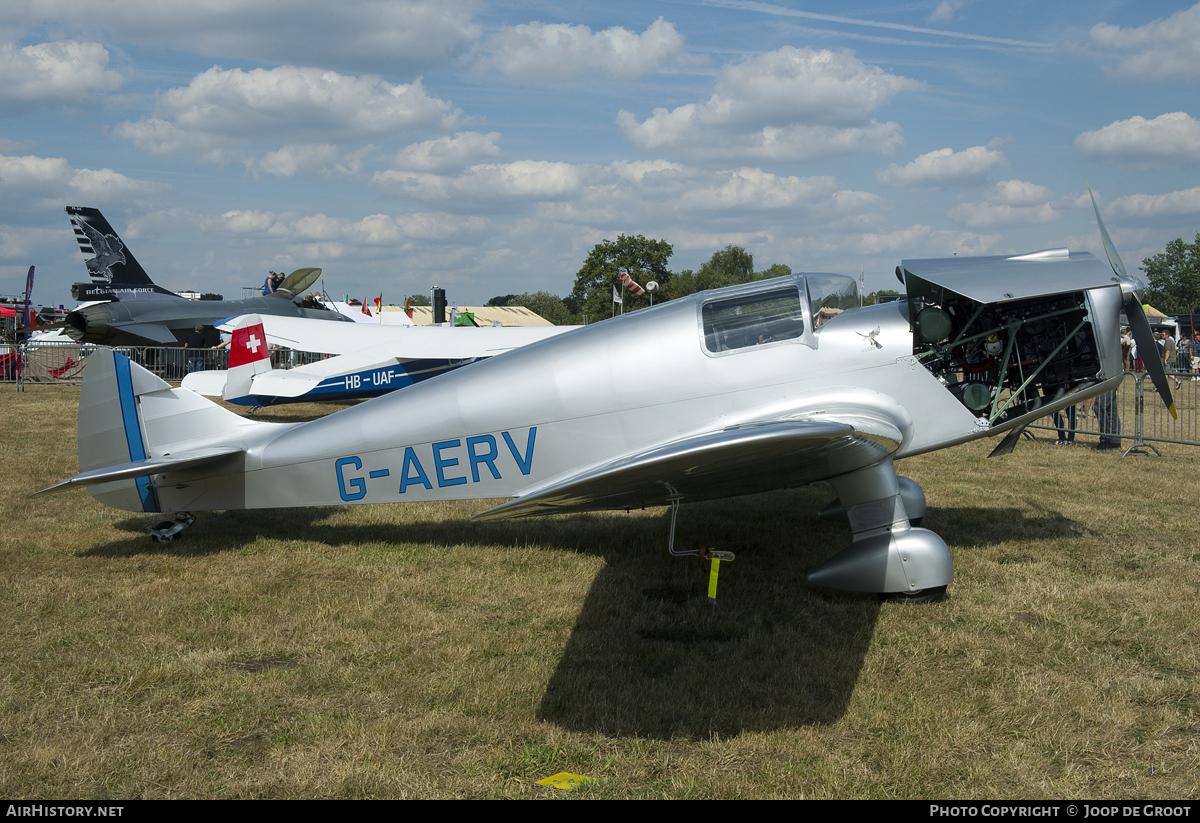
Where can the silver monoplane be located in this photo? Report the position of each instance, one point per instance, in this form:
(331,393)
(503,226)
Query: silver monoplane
(726,392)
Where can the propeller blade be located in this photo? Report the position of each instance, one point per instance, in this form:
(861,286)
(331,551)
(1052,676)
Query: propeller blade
(1148,349)
(1114,259)
(1138,323)
(1008,443)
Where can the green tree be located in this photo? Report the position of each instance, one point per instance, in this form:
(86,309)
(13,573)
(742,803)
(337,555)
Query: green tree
(418,300)
(212,296)
(541,303)
(728,267)
(874,297)
(1174,277)
(776,270)
(644,259)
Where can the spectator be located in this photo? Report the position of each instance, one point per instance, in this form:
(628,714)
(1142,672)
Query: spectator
(195,344)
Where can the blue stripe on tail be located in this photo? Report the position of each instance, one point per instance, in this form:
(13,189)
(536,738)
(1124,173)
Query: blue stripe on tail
(133,430)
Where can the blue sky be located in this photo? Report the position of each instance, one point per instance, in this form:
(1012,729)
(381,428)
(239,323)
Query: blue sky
(487,146)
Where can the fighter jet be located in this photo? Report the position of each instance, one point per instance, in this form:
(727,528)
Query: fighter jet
(136,312)
(726,392)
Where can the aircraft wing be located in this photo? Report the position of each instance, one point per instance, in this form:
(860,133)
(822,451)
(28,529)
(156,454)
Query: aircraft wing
(405,342)
(738,460)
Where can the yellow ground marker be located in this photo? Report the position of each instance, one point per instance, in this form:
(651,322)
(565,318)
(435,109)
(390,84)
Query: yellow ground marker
(714,570)
(564,780)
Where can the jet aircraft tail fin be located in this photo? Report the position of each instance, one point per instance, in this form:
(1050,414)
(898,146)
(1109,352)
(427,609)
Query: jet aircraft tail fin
(111,262)
(134,428)
(112,268)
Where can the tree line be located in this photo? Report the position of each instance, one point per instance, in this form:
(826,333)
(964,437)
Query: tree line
(645,262)
(1174,277)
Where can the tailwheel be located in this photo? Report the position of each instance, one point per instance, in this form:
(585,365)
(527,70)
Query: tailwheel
(169,530)
(934,594)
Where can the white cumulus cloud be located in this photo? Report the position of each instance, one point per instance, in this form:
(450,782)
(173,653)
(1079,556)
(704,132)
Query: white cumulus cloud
(1186,201)
(318,160)
(1138,144)
(945,167)
(49,74)
(449,153)
(1019,193)
(392,37)
(785,105)
(980,215)
(519,180)
(53,181)
(1011,203)
(935,241)
(221,111)
(533,53)
(1159,50)
(944,11)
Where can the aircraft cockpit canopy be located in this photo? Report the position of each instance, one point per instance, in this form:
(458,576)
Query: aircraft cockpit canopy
(774,311)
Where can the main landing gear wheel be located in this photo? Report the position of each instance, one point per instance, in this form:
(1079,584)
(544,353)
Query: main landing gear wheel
(934,594)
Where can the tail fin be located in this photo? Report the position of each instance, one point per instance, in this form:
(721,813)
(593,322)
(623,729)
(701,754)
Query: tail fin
(111,262)
(133,425)
(249,355)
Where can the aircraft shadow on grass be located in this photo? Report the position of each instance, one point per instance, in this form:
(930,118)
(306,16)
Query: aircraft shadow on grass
(648,654)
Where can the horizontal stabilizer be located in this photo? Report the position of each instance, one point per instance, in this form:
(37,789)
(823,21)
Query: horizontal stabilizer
(285,383)
(140,468)
(210,382)
(751,458)
(151,331)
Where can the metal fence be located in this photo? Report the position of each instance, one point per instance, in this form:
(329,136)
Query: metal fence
(1143,419)
(62,363)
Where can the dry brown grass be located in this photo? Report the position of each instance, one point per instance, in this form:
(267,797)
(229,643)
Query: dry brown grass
(402,651)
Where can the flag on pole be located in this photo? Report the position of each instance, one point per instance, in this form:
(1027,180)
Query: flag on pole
(408,309)
(27,314)
(617,297)
(379,303)
(366,310)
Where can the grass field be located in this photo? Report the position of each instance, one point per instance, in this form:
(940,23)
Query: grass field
(403,651)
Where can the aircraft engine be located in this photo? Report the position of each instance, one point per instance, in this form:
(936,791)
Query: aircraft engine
(1004,359)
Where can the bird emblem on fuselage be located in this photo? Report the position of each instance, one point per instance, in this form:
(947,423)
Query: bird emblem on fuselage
(870,338)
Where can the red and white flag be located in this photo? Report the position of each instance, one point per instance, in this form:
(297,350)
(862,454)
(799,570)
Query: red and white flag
(366,310)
